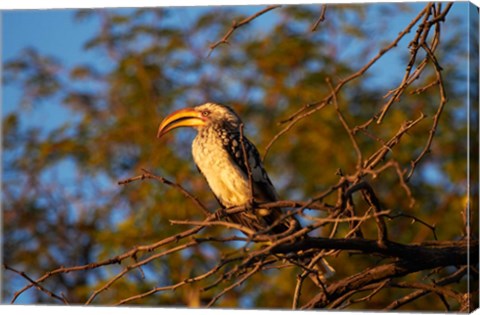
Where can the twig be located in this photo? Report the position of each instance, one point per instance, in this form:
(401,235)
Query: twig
(456,276)
(351,218)
(300,278)
(422,30)
(393,163)
(378,288)
(419,41)
(114,260)
(291,122)
(345,126)
(415,219)
(136,265)
(424,88)
(431,288)
(236,284)
(320,19)
(372,200)
(311,108)
(236,25)
(36,284)
(174,286)
(436,117)
(229,225)
(378,156)
(147,174)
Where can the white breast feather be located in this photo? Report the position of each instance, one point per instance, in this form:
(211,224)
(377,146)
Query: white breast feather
(227,181)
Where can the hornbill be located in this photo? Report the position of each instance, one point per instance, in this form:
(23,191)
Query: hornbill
(219,151)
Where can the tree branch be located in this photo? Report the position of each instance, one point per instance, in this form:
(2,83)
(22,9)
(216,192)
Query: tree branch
(236,25)
(411,258)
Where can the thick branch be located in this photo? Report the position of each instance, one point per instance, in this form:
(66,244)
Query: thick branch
(410,259)
(436,253)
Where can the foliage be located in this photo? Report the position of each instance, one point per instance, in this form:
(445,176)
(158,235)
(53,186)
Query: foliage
(310,100)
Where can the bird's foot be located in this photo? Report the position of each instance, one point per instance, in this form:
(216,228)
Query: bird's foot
(220,213)
(251,205)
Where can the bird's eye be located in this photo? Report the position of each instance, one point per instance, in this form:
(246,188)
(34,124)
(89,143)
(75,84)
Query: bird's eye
(205,113)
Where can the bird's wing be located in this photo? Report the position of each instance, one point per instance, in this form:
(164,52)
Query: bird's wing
(263,189)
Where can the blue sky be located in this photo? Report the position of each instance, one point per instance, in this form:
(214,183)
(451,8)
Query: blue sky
(53,32)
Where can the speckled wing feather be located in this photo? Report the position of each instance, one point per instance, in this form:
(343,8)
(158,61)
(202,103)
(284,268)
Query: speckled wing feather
(263,189)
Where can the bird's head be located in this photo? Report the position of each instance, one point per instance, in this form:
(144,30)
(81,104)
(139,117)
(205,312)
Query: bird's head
(199,117)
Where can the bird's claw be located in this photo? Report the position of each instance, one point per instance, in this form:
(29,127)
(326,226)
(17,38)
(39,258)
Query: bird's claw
(251,204)
(220,213)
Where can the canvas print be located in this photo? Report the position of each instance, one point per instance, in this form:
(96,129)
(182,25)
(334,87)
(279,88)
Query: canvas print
(295,157)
